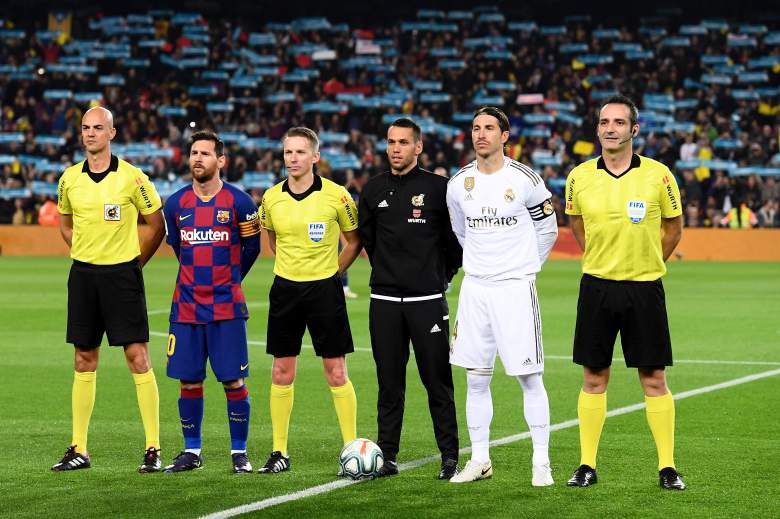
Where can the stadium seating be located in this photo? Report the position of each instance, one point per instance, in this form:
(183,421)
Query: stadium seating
(707,92)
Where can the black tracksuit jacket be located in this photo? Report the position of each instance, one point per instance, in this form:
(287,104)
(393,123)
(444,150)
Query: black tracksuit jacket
(406,231)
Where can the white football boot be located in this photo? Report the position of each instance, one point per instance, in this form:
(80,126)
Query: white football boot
(541,475)
(473,471)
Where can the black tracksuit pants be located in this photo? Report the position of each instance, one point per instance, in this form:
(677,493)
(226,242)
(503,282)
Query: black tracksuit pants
(392,325)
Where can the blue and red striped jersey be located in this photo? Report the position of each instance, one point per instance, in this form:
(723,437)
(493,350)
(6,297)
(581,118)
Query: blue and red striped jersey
(216,242)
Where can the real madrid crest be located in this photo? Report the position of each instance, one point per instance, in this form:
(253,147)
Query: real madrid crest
(419,200)
(468,183)
(223,216)
(547,208)
(509,195)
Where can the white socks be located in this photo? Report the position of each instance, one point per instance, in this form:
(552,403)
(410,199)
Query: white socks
(479,412)
(536,408)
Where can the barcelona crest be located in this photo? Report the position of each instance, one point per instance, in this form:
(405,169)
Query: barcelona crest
(223,216)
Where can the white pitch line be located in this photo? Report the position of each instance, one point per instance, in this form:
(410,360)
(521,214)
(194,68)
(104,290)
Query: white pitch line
(341,483)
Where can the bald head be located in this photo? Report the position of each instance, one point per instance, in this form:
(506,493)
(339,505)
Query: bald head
(98,113)
(97,130)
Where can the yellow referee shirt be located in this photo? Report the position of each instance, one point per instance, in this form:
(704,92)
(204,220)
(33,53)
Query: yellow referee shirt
(622,217)
(105,213)
(307,228)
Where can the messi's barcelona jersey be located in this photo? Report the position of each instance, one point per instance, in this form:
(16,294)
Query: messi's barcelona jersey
(208,236)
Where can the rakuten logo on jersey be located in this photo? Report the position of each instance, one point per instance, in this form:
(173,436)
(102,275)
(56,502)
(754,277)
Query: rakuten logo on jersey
(196,237)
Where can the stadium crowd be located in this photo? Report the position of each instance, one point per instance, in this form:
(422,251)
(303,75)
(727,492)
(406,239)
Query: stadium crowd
(707,91)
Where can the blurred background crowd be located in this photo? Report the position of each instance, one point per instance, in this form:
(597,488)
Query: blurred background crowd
(707,90)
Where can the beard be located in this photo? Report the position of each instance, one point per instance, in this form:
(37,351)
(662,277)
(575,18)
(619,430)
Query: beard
(203,175)
(404,164)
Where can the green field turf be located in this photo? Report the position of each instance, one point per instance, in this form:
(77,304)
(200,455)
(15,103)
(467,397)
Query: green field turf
(725,321)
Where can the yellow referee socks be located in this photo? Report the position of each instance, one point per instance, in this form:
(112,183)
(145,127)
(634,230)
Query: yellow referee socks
(149,405)
(660,416)
(281,408)
(82,402)
(345,401)
(592,411)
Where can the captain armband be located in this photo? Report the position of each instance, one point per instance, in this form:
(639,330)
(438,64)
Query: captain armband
(541,211)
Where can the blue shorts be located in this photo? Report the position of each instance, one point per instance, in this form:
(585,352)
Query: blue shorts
(223,343)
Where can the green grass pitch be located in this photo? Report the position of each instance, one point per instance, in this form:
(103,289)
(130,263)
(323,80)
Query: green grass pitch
(725,321)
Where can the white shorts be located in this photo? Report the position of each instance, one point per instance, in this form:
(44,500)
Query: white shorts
(498,316)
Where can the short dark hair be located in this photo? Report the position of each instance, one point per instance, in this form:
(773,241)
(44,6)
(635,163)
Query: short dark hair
(620,99)
(503,120)
(306,133)
(405,122)
(208,135)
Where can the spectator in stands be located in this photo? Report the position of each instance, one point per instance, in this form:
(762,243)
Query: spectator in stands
(750,192)
(48,213)
(688,149)
(692,214)
(768,215)
(756,156)
(770,190)
(718,191)
(22,212)
(691,188)
(739,218)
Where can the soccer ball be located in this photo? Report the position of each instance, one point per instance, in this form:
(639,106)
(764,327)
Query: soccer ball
(361,459)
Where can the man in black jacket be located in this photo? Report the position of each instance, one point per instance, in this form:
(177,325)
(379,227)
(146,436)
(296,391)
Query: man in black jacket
(405,228)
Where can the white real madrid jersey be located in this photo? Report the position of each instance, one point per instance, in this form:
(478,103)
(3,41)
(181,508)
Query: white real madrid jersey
(492,215)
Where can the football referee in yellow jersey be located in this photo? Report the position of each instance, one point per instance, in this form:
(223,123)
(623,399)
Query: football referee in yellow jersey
(303,217)
(99,200)
(626,216)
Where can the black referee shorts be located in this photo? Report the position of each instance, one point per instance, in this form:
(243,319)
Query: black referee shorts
(317,305)
(106,298)
(636,309)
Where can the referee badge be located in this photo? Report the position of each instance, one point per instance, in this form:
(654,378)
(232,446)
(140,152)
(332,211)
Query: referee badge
(112,212)
(636,209)
(419,200)
(316,231)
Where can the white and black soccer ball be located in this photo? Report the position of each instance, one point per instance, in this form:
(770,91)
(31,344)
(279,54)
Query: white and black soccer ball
(361,459)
